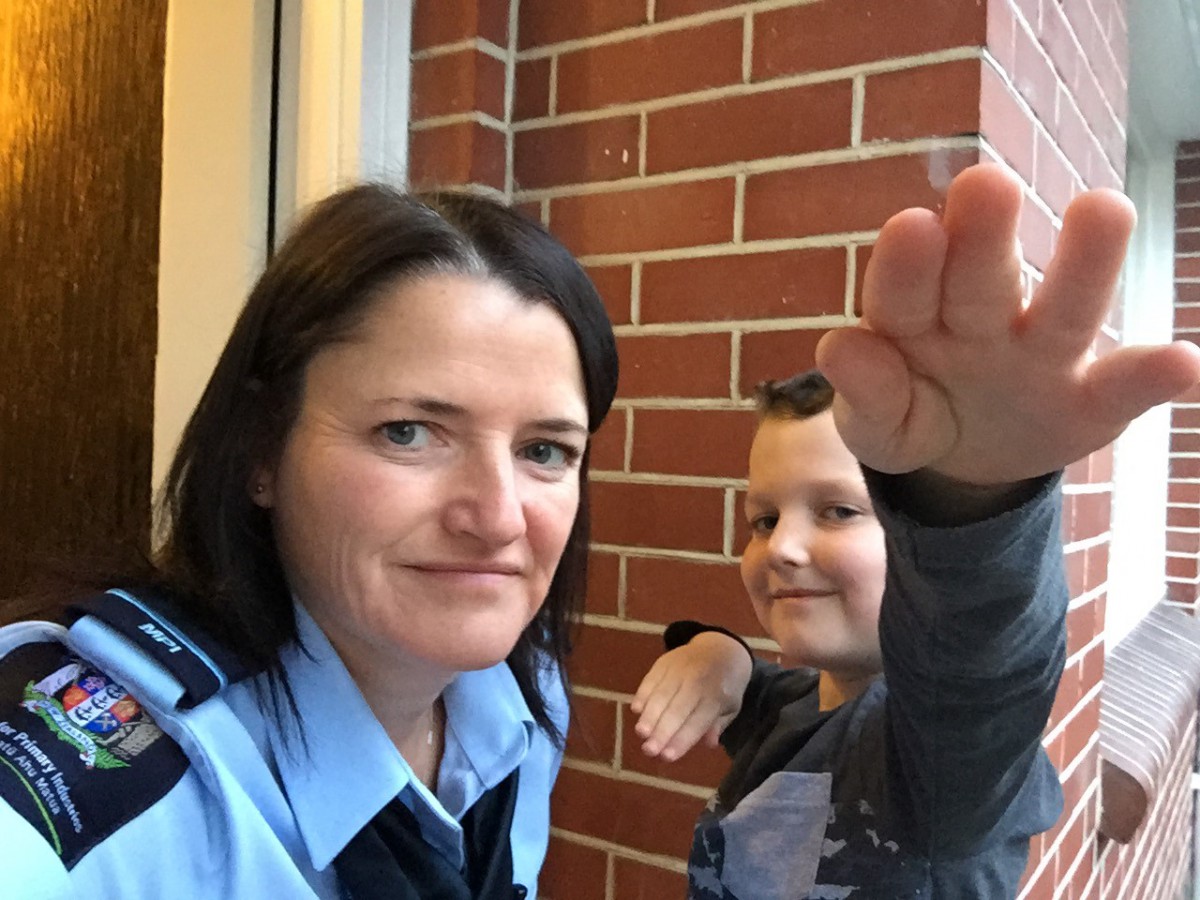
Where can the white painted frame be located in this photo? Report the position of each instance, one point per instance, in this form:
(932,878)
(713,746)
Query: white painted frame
(344,98)
(342,116)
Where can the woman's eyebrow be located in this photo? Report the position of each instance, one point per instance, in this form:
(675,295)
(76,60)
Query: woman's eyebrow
(444,408)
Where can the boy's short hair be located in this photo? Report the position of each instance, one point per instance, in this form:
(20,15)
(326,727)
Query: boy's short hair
(802,396)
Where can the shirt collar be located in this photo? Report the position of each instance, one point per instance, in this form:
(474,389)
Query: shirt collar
(488,734)
(344,769)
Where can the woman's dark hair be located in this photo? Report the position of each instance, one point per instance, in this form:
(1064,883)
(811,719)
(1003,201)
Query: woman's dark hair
(802,396)
(218,555)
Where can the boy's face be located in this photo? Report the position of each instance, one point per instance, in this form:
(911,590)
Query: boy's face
(814,567)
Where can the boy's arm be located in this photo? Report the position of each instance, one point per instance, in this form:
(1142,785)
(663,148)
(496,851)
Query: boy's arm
(953,378)
(973,640)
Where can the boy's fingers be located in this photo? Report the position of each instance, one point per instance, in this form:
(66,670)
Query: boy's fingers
(981,281)
(654,708)
(691,730)
(889,419)
(903,279)
(1125,383)
(1073,300)
(650,683)
(674,716)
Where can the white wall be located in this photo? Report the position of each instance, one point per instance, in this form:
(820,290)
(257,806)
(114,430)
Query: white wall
(1137,565)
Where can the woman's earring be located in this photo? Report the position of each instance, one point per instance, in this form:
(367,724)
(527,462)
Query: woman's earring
(258,489)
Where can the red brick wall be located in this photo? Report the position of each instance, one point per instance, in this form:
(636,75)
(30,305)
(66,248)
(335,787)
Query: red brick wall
(722,169)
(1054,108)
(1183,522)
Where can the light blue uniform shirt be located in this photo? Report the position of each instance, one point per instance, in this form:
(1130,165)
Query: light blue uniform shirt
(258,814)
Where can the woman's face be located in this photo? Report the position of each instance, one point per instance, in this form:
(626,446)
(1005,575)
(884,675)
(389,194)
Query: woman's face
(428,486)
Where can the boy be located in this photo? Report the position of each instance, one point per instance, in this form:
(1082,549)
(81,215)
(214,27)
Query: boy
(910,763)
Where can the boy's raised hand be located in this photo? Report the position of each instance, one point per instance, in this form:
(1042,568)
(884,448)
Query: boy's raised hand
(691,692)
(949,373)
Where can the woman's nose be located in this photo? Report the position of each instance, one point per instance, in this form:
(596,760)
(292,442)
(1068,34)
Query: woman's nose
(485,502)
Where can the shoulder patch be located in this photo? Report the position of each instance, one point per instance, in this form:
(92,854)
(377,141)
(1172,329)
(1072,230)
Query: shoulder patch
(79,756)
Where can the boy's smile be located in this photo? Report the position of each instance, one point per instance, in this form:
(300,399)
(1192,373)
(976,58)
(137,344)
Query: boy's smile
(814,567)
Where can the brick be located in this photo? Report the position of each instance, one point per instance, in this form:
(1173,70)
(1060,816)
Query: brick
(702,765)
(1187,242)
(775,354)
(1185,467)
(1035,78)
(639,881)
(693,441)
(1076,572)
(457,83)
(1005,125)
(1067,697)
(546,22)
(657,515)
(1182,542)
(666,366)
(928,101)
(459,154)
(1097,568)
(819,36)
(437,22)
(573,871)
(644,68)
(1042,888)
(613,660)
(633,815)
(1187,318)
(786,284)
(1187,267)
(1091,675)
(1082,627)
(607,450)
(1182,417)
(1091,514)
(1188,148)
(531,94)
(593,733)
(1187,168)
(1188,218)
(666,590)
(1185,517)
(1181,592)
(1059,42)
(656,218)
(862,258)
(1052,178)
(785,122)
(602,583)
(1179,492)
(1187,293)
(1080,729)
(1001,34)
(614,284)
(849,196)
(597,150)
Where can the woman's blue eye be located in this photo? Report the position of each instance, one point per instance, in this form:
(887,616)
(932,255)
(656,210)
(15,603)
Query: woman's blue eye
(546,454)
(406,434)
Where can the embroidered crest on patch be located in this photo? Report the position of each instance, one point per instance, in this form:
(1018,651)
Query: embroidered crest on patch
(79,756)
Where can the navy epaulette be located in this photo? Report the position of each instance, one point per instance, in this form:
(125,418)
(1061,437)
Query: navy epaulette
(161,629)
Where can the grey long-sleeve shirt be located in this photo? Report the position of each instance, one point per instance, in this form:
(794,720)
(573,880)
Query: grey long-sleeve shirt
(932,782)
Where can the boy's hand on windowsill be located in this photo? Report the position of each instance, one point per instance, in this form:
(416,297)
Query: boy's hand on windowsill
(691,692)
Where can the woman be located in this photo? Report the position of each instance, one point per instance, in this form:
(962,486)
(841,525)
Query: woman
(343,676)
